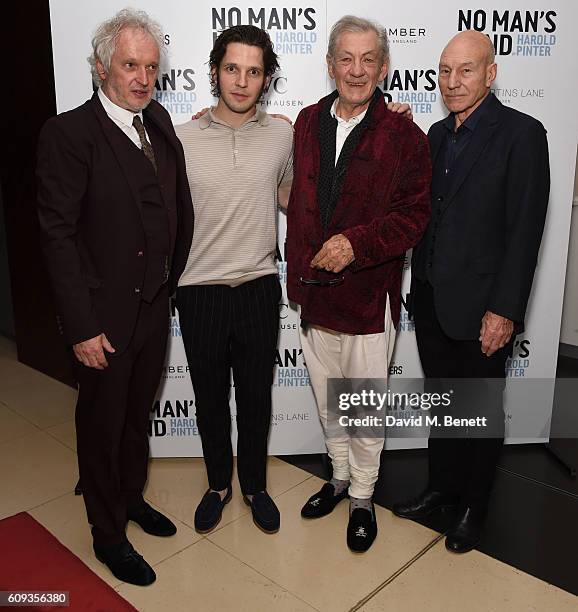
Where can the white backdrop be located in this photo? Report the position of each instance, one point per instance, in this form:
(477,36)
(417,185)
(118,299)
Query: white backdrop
(537,74)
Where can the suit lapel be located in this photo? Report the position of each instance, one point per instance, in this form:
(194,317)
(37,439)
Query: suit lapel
(360,154)
(117,140)
(482,135)
(152,113)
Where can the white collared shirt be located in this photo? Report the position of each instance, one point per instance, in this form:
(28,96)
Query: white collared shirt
(344,128)
(122,118)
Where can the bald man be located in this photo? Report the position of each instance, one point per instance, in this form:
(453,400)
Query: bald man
(472,274)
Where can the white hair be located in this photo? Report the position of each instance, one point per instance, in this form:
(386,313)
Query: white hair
(350,23)
(106,35)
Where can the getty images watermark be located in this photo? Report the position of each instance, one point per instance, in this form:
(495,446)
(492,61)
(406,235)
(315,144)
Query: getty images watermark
(389,404)
(454,408)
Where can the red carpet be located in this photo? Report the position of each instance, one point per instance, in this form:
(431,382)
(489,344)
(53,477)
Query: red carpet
(32,559)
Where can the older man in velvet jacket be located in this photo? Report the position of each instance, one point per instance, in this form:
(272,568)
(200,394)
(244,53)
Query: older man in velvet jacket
(360,200)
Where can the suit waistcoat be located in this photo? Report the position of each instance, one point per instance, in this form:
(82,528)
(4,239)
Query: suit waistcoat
(157,200)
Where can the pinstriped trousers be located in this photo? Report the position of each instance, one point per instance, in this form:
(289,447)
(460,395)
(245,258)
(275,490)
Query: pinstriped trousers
(234,329)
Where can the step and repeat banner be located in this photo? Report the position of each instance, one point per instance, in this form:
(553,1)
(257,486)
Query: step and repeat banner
(537,74)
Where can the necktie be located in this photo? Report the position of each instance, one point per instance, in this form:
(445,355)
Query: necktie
(146,145)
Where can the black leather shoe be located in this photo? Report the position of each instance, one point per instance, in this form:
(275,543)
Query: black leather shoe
(323,502)
(361,529)
(466,533)
(126,564)
(265,513)
(151,521)
(425,504)
(210,510)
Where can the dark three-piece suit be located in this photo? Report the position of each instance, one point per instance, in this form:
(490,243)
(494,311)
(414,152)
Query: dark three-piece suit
(116,236)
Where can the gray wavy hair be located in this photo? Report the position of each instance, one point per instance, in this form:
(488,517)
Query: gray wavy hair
(106,35)
(350,23)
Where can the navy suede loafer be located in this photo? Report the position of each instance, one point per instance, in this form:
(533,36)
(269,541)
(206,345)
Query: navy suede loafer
(210,510)
(265,513)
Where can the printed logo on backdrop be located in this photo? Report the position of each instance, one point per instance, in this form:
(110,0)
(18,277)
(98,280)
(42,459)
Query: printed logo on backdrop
(174,327)
(175,89)
(277,94)
(405,323)
(175,371)
(292,29)
(281,265)
(416,87)
(405,35)
(173,418)
(395,369)
(521,33)
(285,319)
(291,370)
(519,362)
(509,95)
(282,271)
(279,418)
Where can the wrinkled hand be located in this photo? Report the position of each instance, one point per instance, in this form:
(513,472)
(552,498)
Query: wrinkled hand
(91,352)
(334,255)
(202,112)
(401,108)
(284,117)
(495,332)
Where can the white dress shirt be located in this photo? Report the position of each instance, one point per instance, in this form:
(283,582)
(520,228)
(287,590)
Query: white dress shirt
(122,117)
(344,128)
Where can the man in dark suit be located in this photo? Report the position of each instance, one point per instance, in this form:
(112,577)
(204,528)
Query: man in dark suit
(116,217)
(472,272)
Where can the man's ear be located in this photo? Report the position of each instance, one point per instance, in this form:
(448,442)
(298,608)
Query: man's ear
(491,74)
(330,69)
(213,73)
(383,71)
(100,69)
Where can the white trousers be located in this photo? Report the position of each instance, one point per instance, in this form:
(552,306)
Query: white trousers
(331,354)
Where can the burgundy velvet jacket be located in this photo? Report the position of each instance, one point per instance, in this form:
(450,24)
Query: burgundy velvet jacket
(383,210)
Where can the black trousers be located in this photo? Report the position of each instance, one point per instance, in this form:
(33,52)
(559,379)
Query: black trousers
(232,328)
(463,465)
(112,419)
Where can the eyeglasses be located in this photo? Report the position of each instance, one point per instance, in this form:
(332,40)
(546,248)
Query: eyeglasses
(330,282)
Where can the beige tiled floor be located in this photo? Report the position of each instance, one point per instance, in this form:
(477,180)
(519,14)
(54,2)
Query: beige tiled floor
(306,566)
(472,582)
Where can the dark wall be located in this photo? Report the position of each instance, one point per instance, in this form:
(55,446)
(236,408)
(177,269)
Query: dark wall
(6,315)
(32,79)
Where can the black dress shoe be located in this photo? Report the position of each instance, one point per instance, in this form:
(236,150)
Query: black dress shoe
(265,513)
(466,533)
(323,502)
(126,564)
(425,504)
(151,521)
(361,529)
(210,510)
